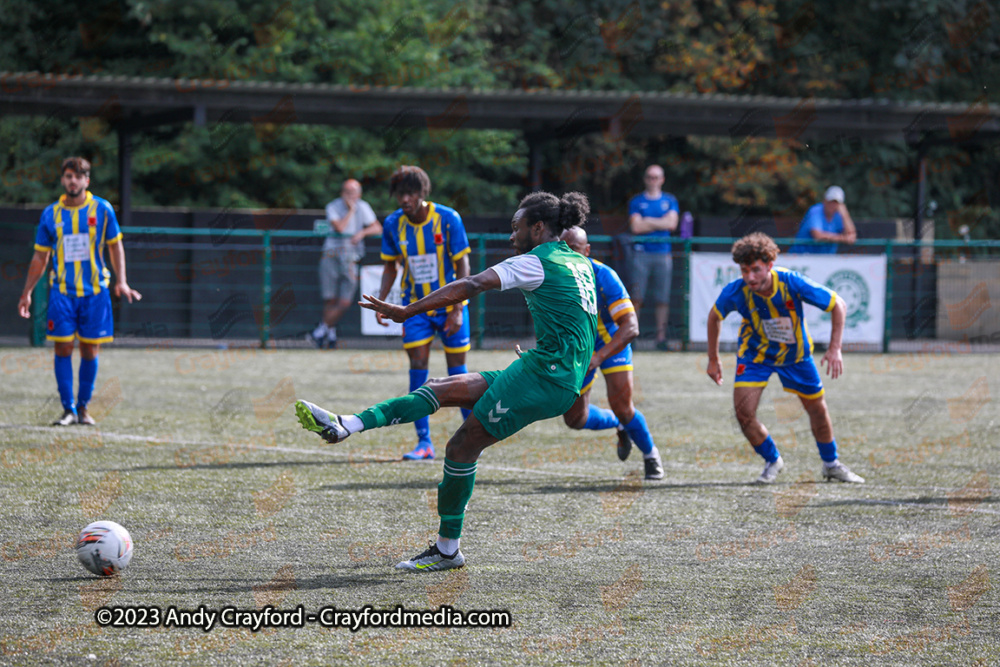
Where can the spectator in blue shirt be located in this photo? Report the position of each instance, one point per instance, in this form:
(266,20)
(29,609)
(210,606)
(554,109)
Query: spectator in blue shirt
(652,215)
(828,221)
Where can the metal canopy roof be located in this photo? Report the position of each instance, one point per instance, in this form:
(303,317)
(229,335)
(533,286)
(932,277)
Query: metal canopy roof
(133,103)
(136,102)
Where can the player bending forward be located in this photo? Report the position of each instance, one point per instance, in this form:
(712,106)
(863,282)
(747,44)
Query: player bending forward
(617,327)
(558,285)
(773,339)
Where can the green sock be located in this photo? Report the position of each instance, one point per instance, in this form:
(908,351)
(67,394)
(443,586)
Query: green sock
(454,492)
(418,403)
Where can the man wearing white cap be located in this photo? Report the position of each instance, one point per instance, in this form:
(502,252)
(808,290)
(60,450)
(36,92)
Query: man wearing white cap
(828,221)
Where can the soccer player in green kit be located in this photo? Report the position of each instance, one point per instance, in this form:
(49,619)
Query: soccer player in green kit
(558,285)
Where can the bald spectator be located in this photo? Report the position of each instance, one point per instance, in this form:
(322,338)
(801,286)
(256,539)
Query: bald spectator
(652,216)
(351,219)
(828,221)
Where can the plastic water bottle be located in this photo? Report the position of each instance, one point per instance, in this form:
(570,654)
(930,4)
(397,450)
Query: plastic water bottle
(687,225)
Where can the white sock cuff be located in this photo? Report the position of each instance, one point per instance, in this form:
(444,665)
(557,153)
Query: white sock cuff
(447,545)
(352,423)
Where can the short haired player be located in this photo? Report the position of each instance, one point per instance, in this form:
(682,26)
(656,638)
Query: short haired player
(617,327)
(429,241)
(774,339)
(74,231)
(544,382)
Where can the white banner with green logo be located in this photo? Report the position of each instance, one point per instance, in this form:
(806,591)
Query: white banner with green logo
(857,279)
(371,283)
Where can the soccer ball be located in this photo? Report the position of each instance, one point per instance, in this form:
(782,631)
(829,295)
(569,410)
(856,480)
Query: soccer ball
(104,548)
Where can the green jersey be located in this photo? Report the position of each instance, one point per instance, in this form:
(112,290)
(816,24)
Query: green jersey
(558,285)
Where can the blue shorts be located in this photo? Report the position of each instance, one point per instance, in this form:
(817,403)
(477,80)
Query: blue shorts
(420,330)
(85,317)
(616,364)
(801,378)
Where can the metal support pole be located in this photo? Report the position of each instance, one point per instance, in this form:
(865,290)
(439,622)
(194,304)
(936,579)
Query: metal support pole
(918,235)
(124,177)
(887,330)
(534,161)
(265,319)
(686,337)
(481,297)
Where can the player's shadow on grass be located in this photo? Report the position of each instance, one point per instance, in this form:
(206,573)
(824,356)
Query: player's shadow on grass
(608,487)
(241,586)
(944,502)
(413,484)
(233,466)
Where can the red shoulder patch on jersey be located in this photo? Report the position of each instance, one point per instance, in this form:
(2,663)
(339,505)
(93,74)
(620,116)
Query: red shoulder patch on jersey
(438,239)
(740,369)
(790,305)
(92,221)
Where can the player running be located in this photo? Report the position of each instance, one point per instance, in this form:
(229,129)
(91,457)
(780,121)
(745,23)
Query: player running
(558,285)
(74,231)
(428,239)
(617,327)
(774,339)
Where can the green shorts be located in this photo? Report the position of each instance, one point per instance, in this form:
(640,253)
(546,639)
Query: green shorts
(518,397)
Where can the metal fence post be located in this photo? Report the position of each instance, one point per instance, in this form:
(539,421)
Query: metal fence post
(480,298)
(39,311)
(887,330)
(686,337)
(265,318)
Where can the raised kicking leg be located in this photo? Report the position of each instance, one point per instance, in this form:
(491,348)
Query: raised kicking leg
(455,391)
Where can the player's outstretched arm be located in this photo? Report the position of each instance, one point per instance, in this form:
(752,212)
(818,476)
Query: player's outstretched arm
(449,295)
(833,358)
(714,368)
(388,279)
(453,322)
(35,270)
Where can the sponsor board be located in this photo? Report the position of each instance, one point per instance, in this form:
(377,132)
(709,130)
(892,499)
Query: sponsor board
(858,280)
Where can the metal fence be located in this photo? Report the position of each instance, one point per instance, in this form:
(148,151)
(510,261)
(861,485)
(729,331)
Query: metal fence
(224,285)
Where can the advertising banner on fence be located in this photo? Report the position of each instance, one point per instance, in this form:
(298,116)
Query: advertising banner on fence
(858,279)
(371,281)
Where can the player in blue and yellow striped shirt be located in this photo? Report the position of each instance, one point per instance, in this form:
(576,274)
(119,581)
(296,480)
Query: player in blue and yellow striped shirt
(617,327)
(428,240)
(74,231)
(774,339)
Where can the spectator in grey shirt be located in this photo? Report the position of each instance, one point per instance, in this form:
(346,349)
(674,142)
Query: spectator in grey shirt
(351,219)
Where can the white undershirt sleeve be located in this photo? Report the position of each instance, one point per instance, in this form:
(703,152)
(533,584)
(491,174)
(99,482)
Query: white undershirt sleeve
(522,271)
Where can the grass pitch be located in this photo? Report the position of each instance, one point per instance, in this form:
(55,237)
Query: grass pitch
(230,503)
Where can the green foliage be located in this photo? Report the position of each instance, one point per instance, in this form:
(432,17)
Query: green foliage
(898,49)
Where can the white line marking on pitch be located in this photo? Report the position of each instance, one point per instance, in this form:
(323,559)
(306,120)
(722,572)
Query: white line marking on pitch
(486,466)
(275,448)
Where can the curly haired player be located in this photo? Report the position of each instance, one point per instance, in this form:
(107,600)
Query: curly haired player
(429,241)
(773,339)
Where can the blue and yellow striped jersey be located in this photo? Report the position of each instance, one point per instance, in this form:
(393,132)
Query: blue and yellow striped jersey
(76,236)
(427,251)
(612,301)
(774,330)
